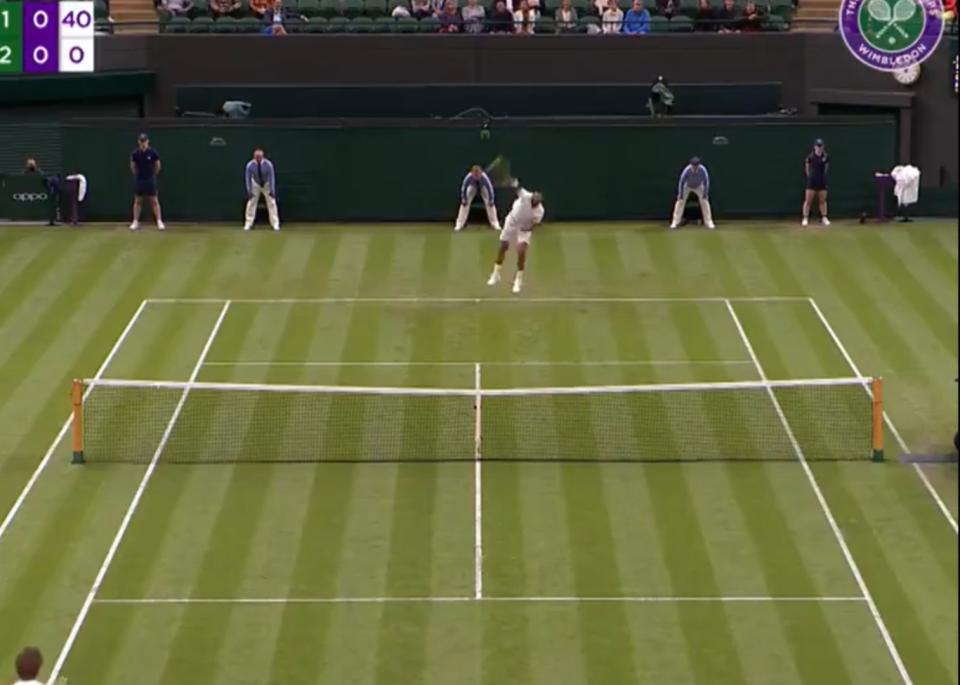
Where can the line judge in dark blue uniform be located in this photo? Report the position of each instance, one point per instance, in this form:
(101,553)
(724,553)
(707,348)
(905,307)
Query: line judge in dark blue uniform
(815,167)
(145,165)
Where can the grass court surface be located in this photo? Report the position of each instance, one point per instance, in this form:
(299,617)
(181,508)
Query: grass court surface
(688,571)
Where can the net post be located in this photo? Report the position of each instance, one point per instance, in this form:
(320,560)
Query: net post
(876,387)
(76,397)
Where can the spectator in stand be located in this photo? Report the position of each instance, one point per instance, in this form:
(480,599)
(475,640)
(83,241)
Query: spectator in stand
(949,11)
(473,17)
(400,11)
(225,8)
(667,8)
(637,19)
(177,8)
(534,5)
(612,18)
(727,19)
(259,8)
(752,19)
(705,19)
(278,14)
(450,21)
(501,21)
(525,18)
(422,8)
(273,30)
(566,17)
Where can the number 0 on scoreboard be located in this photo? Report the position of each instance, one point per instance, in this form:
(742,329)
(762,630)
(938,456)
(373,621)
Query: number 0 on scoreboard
(46,37)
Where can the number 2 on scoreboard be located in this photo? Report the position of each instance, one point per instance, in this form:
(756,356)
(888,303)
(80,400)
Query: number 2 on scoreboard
(5,53)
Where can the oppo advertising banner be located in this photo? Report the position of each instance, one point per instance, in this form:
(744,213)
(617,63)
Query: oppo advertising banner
(24,198)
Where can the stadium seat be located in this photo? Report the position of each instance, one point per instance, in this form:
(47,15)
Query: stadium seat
(309,8)
(361,25)
(659,24)
(687,8)
(201,25)
(587,21)
(100,9)
(338,25)
(351,8)
(583,7)
(405,25)
(329,8)
(681,24)
(429,25)
(394,3)
(545,25)
(200,8)
(225,25)
(550,6)
(775,23)
(249,25)
(316,25)
(374,8)
(177,25)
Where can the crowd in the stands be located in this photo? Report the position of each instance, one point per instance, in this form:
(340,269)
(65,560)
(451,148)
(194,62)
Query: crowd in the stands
(497,16)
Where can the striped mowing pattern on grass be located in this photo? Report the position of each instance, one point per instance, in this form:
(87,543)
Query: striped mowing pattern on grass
(395,530)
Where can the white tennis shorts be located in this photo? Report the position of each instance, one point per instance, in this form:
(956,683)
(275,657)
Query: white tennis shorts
(513,235)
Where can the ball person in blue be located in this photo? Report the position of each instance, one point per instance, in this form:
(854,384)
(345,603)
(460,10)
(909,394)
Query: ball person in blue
(815,167)
(476,178)
(145,165)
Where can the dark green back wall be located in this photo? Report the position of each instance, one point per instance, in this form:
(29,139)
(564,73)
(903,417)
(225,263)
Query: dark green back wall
(409,172)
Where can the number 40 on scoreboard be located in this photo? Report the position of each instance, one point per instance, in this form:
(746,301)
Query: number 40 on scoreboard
(46,37)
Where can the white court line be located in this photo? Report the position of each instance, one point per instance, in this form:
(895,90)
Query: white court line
(733,599)
(886,417)
(134,503)
(477,300)
(477,495)
(18,504)
(824,506)
(637,362)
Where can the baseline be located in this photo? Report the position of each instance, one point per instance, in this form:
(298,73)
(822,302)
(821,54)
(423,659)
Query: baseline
(476,300)
(655,599)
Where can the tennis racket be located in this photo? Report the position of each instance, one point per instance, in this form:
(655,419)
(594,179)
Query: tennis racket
(499,172)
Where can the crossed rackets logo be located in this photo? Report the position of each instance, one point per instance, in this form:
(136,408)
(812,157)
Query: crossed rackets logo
(891,28)
(891,34)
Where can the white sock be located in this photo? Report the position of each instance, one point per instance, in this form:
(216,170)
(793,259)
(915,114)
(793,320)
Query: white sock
(496,268)
(519,278)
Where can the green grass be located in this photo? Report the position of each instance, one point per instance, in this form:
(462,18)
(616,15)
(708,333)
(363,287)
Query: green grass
(406,530)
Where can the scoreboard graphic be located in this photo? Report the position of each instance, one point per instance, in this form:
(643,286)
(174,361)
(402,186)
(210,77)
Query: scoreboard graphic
(46,37)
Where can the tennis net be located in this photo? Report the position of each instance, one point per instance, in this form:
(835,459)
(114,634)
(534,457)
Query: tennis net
(139,421)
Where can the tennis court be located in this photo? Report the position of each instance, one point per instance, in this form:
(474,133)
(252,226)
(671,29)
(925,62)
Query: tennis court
(408,534)
(639,511)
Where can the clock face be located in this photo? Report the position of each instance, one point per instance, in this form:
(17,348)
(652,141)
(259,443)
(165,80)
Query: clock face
(908,75)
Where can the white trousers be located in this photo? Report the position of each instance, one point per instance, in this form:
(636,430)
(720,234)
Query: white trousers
(251,213)
(487,203)
(682,202)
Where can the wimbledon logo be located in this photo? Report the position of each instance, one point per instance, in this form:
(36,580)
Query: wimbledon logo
(891,34)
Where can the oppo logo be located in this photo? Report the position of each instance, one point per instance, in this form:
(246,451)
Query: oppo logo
(29,197)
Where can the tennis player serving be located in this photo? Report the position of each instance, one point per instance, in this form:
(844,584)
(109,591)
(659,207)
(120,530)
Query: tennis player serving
(816,166)
(526,213)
